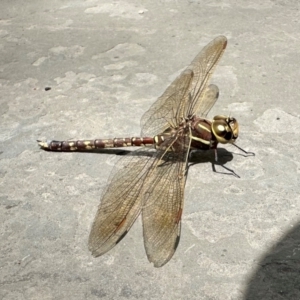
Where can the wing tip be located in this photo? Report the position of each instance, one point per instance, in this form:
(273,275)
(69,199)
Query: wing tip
(161,261)
(96,251)
(221,39)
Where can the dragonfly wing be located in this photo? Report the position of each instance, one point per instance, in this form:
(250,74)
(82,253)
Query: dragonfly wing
(121,201)
(208,98)
(203,66)
(163,205)
(169,108)
(186,95)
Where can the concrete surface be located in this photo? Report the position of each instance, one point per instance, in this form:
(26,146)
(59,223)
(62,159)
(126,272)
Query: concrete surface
(106,63)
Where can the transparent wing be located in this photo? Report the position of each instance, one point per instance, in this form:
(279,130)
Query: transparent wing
(169,108)
(121,202)
(209,98)
(147,180)
(162,209)
(188,94)
(203,66)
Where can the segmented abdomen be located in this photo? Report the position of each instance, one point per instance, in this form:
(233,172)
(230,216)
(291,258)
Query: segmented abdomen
(95,144)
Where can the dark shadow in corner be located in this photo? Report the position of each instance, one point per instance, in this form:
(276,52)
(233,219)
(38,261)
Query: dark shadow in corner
(278,275)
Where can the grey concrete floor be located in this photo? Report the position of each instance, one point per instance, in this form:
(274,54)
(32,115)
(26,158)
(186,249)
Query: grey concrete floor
(106,63)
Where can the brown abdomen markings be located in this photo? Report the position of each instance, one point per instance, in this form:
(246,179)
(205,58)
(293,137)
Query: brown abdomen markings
(95,144)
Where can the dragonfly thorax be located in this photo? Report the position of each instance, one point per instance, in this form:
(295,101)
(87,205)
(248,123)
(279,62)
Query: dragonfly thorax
(202,135)
(207,134)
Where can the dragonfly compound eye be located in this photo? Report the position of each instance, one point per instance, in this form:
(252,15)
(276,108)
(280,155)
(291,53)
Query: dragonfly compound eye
(225,129)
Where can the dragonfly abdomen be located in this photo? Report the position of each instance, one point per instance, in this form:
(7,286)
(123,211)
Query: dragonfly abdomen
(80,145)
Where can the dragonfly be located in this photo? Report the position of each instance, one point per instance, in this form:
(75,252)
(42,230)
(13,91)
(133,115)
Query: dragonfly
(150,181)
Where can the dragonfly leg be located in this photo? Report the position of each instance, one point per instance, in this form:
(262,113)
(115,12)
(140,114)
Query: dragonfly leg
(226,168)
(246,152)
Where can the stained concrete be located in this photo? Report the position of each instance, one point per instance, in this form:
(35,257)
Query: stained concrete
(106,62)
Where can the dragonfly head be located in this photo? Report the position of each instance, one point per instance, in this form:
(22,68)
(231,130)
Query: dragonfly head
(225,129)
